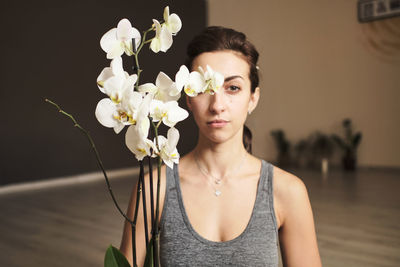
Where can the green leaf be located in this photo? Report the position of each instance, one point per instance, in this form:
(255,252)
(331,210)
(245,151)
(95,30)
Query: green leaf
(114,258)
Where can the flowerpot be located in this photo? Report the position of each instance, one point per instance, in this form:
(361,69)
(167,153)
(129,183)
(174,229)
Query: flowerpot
(349,163)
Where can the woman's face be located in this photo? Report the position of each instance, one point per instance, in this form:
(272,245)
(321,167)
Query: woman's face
(221,116)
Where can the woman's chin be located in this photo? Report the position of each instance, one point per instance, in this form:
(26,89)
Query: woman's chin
(218,137)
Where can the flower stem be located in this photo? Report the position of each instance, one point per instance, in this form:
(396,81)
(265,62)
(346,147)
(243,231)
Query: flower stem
(137,57)
(141,183)
(99,161)
(144,202)
(151,194)
(133,226)
(156,230)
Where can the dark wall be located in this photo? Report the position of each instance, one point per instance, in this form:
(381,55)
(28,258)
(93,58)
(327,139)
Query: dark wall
(51,50)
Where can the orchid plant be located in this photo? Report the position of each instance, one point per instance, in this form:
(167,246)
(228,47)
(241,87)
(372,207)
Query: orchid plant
(143,108)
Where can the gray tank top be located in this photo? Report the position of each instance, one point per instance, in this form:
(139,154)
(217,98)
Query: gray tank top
(181,245)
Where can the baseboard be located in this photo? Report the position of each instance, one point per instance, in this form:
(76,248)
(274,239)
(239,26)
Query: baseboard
(67,180)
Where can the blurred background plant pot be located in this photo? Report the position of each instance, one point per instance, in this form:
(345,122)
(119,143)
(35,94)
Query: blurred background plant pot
(283,147)
(349,145)
(322,150)
(349,162)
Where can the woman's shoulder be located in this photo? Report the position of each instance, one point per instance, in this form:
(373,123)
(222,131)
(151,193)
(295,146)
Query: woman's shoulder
(289,192)
(286,182)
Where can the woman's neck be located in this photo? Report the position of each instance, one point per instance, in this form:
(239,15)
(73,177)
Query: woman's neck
(219,159)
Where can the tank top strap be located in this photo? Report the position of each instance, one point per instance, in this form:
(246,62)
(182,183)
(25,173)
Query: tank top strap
(267,202)
(170,193)
(267,173)
(170,174)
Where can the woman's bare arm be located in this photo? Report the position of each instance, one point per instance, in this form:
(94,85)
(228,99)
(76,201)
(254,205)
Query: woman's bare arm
(297,233)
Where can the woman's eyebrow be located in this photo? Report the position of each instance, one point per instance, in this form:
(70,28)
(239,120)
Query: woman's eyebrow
(227,79)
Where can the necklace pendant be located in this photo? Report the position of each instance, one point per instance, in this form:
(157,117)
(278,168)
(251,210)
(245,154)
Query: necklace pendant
(218,193)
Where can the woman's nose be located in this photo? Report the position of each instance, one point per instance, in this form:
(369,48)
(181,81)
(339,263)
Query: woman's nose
(217,102)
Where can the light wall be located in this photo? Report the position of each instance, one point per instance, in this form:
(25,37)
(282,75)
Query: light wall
(319,65)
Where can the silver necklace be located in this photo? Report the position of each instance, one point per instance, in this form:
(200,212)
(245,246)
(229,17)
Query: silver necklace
(217,180)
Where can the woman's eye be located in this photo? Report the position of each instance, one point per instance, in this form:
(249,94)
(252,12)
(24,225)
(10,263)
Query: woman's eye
(233,88)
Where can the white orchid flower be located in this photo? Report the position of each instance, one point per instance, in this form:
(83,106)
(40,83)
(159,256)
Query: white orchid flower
(172,22)
(143,121)
(105,74)
(132,109)
(170,113)
(137,109)
(116,86)
(171,26)
(131,103)
(114,115)
(138,145)
(181,78)
(144,108)
(164,89)
(115,69)
(214,80)
(163,39)
(114,81)
(197,82)
(111,114)
(193,84)
(167,147)
(119,40)
(136,135)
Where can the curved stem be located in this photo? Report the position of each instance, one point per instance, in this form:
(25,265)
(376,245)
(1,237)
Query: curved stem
(137,57)
(97,157)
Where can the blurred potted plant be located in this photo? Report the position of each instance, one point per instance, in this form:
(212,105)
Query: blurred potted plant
(283,146)
(349,145)
(301,151)
(322,149)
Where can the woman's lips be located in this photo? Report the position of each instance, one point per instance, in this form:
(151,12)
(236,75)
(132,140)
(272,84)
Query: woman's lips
(217,123)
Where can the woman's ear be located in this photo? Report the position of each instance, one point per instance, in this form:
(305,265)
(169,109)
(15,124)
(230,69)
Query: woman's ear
(188,102)
(254,97)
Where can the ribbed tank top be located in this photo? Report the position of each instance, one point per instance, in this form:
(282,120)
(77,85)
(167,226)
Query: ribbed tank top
(181,245)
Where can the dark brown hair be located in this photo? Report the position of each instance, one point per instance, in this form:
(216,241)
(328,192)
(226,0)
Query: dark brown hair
(216,38)
(247,138)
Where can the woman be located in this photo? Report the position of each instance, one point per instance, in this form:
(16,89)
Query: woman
(221,205)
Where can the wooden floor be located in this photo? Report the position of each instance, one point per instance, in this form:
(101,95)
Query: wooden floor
(357,221)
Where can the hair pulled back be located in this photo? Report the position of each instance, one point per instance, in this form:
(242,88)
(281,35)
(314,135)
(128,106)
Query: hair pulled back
(216,38)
